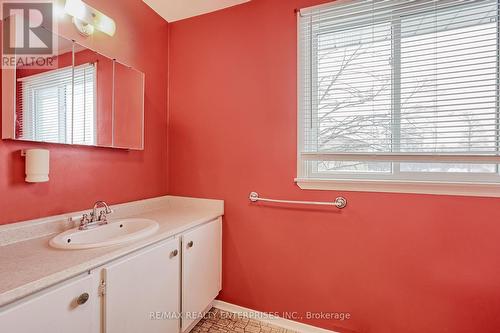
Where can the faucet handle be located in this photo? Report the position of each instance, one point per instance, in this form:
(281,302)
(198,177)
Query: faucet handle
(84,221)
(102,217)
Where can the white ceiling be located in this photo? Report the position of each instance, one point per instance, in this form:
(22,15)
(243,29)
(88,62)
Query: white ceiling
(174,10)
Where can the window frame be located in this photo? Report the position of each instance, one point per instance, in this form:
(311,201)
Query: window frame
(453,183)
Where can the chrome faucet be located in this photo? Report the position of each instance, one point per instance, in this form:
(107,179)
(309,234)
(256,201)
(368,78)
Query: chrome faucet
(102,214)
(94,219)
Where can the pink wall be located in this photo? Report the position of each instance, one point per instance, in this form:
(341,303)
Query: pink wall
(80,175)
(396,262)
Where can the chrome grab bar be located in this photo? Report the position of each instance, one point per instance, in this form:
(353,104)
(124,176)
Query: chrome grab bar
(339,202)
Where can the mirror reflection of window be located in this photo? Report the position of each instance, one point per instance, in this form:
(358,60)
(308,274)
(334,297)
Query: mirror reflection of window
(46,112)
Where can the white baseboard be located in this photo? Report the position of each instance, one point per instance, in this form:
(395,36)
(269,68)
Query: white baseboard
(278,321)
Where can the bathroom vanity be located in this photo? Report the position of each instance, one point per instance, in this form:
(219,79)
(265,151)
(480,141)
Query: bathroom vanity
(161,283)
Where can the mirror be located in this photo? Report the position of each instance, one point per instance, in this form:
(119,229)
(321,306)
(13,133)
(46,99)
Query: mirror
(93,99)
(84,98)
(128,97)
(43,97)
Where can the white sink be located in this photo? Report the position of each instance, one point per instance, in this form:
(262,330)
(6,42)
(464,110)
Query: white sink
(113,233)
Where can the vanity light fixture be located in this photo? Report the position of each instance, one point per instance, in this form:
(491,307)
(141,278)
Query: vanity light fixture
(37,165)
(87,19)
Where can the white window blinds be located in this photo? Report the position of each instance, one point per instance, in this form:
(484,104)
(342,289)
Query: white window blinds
(84,121)
(46,112)
(399,90)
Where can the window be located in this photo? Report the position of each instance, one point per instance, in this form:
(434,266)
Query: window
(401,91)
(46,112)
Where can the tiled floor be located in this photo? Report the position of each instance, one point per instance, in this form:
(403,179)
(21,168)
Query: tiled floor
(218,321)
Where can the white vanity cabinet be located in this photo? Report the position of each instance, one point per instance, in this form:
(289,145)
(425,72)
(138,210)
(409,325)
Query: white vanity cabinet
(66,307)
(142,291)
(201,270)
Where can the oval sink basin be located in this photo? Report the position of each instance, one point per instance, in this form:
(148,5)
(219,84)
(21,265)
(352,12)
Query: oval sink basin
(113,233)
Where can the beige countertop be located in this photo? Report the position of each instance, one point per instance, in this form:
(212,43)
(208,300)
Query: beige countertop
(28,264)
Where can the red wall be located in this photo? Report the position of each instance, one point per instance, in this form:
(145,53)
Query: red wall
(81,175)
(396,262)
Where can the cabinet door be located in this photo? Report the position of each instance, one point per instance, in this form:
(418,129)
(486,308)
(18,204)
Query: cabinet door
(55,310)
(143,291)
(201,270)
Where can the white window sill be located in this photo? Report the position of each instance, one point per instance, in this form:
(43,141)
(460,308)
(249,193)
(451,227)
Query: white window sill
(394,186)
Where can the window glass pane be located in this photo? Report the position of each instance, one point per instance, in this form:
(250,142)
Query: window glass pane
(353,166)
(448,167)
(46,103)
(449,85)
(354,90)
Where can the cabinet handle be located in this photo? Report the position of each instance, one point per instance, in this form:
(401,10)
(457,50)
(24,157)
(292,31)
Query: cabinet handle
(190,244)
(82,299)
(174,253)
